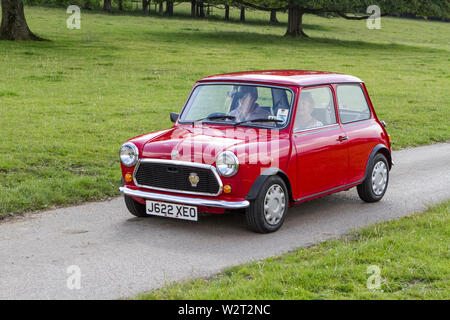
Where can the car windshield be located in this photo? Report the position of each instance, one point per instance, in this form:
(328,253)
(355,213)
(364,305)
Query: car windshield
(238,104)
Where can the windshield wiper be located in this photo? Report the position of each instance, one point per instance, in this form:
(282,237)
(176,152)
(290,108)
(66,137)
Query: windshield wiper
(224,116)
(259,120)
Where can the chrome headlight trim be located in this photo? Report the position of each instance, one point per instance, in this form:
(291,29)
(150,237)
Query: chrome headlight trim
(129,154)
(227,164)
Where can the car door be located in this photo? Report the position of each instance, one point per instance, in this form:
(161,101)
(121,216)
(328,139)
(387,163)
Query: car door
(320,144)
(359,125)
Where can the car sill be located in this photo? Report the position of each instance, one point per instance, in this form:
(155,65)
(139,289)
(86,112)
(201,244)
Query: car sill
(350,185)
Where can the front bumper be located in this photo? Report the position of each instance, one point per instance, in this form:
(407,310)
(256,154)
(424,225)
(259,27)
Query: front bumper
(185,200)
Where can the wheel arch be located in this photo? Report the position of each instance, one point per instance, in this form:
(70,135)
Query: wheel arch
(380,148)
(254,190)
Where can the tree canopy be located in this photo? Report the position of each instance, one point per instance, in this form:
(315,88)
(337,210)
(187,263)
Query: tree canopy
(348,9)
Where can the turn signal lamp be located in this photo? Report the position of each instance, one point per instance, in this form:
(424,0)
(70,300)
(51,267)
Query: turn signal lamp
(128,178)
(227,188)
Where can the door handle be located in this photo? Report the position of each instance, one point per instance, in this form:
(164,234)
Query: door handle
(342,138)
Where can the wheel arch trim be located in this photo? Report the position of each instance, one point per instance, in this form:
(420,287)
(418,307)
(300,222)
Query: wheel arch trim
(380,148)
(272,171)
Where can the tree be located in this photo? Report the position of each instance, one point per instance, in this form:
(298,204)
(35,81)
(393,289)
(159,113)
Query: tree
(87,5)
(169,8)
(200,9)
(14,25)
(193,8)
(273,16)
(242,17)
(342,8)
(161,8)
(107,6)
(145,6)
(227,12)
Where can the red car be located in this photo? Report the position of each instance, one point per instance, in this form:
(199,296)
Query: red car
(259,142)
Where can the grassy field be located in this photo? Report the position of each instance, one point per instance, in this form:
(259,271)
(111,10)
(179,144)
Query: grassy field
(412,255)
(67,105)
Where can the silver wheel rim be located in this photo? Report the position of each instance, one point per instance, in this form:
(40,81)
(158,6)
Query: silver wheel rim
(379,178)
(274,204)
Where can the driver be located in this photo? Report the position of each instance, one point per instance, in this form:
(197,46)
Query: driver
(247,108)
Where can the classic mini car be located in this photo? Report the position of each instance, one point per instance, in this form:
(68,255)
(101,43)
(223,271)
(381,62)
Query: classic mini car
(259,142)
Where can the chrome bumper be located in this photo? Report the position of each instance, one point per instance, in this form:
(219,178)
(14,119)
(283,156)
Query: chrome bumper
(184,200)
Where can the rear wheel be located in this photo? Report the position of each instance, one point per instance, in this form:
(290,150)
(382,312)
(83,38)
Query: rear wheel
(268,211)
(374,186)
(136,209)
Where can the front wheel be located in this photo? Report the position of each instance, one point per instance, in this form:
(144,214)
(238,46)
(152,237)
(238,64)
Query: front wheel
(375,184)
(136,209)
(268,211)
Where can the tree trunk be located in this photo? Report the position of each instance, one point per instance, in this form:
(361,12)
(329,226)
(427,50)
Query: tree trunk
(161,8)
(273,17)
(107,6)
(120,5)
(169,8)
(242,14)
(227,12)
(145,6)
(14,25)
(295,23)
(193,8)
(200,10)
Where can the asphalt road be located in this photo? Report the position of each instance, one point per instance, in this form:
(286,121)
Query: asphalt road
(120,256)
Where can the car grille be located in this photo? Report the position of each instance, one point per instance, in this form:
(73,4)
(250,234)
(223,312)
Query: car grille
(175,177)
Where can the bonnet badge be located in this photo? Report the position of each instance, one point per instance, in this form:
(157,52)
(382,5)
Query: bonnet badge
(194,179)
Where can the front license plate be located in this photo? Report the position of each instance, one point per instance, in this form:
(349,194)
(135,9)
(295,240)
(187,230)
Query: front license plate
(171,210)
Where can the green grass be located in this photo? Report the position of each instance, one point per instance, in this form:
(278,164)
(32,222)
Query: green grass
(412,255)
(67,105)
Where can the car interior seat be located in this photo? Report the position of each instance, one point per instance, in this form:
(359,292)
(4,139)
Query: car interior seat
(280,100)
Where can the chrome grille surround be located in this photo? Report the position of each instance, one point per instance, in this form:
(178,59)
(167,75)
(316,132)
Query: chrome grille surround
(179,163)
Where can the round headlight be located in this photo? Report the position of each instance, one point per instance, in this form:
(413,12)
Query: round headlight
(129,154)
(227,164)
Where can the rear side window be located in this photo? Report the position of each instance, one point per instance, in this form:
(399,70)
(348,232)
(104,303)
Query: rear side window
(352,103)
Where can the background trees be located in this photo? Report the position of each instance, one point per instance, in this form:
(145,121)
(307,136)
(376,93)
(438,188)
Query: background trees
(297,8)
(14,25)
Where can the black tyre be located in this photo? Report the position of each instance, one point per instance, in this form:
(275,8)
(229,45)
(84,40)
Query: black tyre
(136,209)
(375,185)
(268,211)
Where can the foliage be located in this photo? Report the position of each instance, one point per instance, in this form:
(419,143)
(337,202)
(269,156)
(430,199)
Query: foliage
(435,8)
(426,8)
(93,4)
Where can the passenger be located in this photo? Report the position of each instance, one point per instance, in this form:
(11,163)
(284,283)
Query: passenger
(304,118)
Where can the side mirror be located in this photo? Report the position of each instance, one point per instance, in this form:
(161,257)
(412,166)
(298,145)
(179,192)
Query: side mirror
(174,116)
